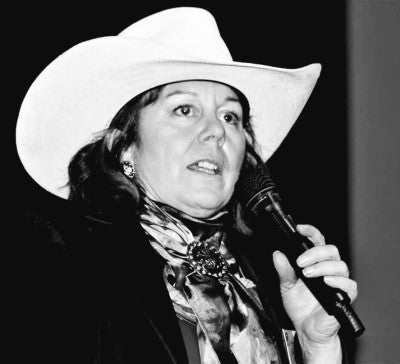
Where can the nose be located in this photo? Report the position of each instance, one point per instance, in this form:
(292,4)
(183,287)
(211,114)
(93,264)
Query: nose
(213,131)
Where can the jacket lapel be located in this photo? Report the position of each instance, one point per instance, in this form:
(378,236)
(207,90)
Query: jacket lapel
(137,269)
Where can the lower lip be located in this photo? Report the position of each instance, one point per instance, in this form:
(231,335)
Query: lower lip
(203,172)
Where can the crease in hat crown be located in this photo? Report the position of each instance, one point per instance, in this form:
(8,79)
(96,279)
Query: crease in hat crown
(79,93)
(188,29)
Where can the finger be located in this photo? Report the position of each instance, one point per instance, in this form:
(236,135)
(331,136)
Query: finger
(327,268)
(318,254)
(287,276)
(312,233)
(345,284)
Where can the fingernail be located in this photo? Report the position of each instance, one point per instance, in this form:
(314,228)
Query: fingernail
(275,253)
(329,279)
(309,271)
(302,261)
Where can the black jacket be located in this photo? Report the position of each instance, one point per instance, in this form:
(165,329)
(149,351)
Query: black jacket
(89,289)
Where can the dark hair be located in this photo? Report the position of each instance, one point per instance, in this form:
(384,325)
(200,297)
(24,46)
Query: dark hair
(95,175)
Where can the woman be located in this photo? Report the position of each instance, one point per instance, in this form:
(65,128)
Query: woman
(153,258)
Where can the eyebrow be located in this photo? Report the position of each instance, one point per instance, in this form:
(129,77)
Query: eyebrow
(180,92)
(233,98)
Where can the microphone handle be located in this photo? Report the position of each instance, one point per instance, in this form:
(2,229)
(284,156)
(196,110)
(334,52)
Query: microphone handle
(333,300)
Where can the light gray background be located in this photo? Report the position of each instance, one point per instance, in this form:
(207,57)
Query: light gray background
(374,116)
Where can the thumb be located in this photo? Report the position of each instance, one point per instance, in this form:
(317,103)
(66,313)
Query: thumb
(285,271)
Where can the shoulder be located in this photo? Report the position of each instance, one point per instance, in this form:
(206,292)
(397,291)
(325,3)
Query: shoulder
(54,230)
(64,227)
(56,242)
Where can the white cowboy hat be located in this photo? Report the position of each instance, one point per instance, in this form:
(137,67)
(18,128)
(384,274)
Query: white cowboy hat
(78,94)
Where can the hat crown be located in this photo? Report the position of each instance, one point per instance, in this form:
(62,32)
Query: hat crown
(192,31)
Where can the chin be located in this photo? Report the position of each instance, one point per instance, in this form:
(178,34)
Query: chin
(207,203)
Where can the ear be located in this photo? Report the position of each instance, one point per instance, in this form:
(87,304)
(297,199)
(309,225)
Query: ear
(112,137)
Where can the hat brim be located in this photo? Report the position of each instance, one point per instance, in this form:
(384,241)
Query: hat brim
(80,92)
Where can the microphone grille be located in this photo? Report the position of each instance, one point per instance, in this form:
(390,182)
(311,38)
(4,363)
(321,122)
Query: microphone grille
(253,180)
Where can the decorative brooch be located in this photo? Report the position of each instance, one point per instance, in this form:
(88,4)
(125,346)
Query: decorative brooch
(206,259)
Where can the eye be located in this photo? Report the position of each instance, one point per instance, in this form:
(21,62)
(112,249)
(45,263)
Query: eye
(231,118)
(185,110)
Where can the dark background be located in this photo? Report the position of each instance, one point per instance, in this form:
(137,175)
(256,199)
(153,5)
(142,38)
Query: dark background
(311,166)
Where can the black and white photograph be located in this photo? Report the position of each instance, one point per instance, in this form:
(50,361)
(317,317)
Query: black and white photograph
(202,182)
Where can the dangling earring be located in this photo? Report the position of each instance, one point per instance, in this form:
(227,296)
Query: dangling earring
(128,168)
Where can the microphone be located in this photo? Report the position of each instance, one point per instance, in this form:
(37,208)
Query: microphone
(258,196)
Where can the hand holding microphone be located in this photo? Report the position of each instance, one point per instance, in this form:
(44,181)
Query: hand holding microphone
(260,198)
(314,327)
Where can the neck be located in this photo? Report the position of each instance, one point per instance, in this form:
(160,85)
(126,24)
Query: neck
(201,228)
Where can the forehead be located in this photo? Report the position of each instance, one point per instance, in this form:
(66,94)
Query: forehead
(200,88)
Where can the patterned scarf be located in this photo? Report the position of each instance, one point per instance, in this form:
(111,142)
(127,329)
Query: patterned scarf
(207,287)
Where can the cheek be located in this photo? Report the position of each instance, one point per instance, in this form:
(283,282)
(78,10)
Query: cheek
(151,161)
(237,154)
(158,163)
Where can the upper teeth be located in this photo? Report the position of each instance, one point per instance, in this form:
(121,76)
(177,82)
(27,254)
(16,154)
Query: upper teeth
(205,164)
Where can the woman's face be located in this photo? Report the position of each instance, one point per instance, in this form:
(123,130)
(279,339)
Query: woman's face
(192,145)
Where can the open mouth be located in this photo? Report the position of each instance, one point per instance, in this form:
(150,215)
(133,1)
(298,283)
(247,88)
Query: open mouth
(205,166)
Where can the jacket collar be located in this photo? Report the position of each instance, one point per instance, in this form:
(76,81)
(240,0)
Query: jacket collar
(137,268)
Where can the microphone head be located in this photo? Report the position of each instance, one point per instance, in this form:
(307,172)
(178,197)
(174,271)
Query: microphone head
(252,181)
